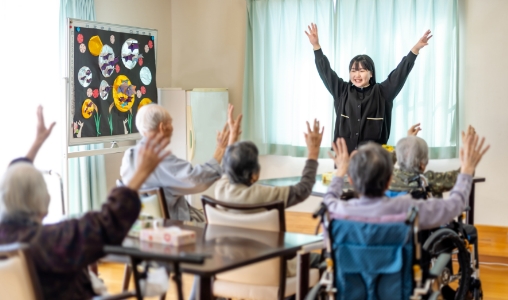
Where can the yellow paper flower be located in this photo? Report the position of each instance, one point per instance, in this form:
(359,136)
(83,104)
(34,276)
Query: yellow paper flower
(388,148)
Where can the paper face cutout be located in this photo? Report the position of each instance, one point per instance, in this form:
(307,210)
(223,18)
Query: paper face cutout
(130,53)
(123,93)
(107,61)
(104,89)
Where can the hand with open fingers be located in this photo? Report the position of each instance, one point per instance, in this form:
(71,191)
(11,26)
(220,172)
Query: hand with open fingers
(313,138)
(471,153)
(234,126)
(341,158)
(422,42)
(152,152)
(413,130)
(42,131)
(313,36)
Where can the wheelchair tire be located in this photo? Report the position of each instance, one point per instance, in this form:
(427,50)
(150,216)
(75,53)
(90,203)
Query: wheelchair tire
(445,241)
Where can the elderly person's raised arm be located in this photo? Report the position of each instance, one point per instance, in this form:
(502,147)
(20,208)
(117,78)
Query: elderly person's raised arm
(341,159)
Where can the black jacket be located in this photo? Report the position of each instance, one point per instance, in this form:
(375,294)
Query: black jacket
(363,114)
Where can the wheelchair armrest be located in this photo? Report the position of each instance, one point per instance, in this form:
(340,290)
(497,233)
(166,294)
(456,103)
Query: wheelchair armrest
(434,296)
(441,262)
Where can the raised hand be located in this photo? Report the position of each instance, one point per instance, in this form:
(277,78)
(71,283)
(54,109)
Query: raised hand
(471,152)
(313,139)
(313,36)
(222,143)
(234,126)
(413,130)
(150,154)
(422,42)
(341,158)
(41,134)
(42,131)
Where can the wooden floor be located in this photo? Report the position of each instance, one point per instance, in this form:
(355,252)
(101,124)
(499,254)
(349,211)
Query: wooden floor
(493,249)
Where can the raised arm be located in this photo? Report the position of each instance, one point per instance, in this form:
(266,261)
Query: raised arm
(332,81)
(391,87)
(74,244)
(41,135)
(303,189)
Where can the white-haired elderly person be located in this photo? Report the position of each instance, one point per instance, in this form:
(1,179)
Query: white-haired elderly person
(370,170)
(412,154)
(61,252)
(178,177)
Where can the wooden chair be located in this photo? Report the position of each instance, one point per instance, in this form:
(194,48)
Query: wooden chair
(263,280)
(18,279)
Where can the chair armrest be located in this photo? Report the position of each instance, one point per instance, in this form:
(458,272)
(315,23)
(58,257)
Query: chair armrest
(441,262)
(123,295)
(311,247)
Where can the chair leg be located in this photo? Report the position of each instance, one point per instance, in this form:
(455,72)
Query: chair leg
(127,272)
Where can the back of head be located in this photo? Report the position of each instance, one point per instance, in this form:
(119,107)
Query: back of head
(240,162)
(149,117)
(23,192)
(412,152)
(367,63)
(370,169)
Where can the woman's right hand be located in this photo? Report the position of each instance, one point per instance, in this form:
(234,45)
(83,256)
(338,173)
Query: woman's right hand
(313,36)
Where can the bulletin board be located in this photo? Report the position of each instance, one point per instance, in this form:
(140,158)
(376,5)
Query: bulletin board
(112,74)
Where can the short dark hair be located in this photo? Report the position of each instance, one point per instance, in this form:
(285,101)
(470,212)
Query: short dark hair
(370,170)
(240,162)
(367,63)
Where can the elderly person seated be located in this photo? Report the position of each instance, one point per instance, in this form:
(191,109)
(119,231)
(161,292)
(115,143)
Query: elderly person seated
(61,252)
(370,170)
(410,176)
(177,176)
(241,168)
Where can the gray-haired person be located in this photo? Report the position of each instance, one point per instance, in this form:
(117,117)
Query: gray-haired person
(369,171)
(412,159)
(241,168)
(177,176)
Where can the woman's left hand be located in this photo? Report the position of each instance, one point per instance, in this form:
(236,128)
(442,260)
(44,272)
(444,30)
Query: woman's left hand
(424,41)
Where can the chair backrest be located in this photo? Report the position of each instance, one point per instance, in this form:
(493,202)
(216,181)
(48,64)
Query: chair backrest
(18,279)
(267,216)
(373,260)
(154,203)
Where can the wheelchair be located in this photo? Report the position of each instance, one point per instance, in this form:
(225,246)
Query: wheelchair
(433,273)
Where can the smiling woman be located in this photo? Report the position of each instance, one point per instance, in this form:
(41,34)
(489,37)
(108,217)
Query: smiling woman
(364,106)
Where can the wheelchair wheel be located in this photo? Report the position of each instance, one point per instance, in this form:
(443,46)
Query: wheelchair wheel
(448,241)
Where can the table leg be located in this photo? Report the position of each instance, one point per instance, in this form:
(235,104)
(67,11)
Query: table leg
(178,280)
(126,277)
(303,284)
(205,288)
(137,277)
(470,213)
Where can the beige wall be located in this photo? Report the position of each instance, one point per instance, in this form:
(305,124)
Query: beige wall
(208,40)
(154,14)
(484,100)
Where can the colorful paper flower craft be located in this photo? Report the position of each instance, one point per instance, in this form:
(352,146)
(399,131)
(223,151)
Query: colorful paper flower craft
(82,48)
(89,92)
(79,38)
(150,44)
(140,61)
(147,48)
(117,69)
(112,39)
(143,90)
(95,93)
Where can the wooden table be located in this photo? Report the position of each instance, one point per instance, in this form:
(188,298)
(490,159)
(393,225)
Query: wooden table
(320,189)
(224,248)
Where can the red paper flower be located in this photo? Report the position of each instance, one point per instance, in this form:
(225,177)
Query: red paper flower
(80,38)
(95,93)
(143,90)
(150,44)
(140,61)
(117,68)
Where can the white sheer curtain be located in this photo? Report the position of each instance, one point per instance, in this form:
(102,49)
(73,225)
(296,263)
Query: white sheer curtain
(282,88)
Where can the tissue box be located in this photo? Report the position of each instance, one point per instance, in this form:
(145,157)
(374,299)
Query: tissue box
(173,236)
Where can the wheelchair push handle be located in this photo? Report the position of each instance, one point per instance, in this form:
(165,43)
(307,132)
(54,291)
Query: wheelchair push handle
(320,211)
(412,214)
